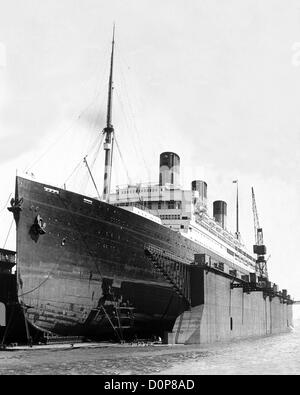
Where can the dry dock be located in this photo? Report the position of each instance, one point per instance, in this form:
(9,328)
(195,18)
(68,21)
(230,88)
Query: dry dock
(225,308)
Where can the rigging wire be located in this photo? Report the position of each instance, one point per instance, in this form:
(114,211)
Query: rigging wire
(93,126)
(97,92)
(94,144)
(85,180)
(97,152)
(122,159)
(98,120)
(132,113)
(74,170)
(127,122)
(90,173)
(6,203)
(64,134)
(81,161)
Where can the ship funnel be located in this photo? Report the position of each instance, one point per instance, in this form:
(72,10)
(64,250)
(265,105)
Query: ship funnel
(169,169)
(199,189)
(220,213)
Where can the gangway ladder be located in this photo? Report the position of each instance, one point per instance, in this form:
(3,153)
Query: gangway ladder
(125,319)
(174,269)
(122,319)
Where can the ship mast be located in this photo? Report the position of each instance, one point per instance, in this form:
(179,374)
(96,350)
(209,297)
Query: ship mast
(109,130)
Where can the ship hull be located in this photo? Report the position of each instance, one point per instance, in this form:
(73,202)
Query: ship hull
(90,257)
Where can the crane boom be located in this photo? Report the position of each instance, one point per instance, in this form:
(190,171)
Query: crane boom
(255,216)
(259,248)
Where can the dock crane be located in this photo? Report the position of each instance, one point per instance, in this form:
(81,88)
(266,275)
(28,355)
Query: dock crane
(259,248)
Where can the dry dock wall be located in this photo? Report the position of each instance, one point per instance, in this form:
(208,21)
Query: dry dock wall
(225,313)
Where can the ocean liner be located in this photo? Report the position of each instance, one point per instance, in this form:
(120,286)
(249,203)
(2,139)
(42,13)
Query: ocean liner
(146,260)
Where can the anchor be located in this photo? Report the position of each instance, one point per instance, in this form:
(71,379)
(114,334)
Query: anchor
(37,228)
(15,207)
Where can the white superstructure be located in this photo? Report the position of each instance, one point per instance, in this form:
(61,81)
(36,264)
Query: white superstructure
(183,211)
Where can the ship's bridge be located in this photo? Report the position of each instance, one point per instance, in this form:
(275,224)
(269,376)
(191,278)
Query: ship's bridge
(170,203)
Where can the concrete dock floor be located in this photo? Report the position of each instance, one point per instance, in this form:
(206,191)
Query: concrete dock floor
(277,354)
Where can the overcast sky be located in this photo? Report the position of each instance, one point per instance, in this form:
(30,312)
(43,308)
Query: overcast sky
(218,82)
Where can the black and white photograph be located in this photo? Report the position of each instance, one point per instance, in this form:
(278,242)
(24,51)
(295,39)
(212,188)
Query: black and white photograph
(149,190)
